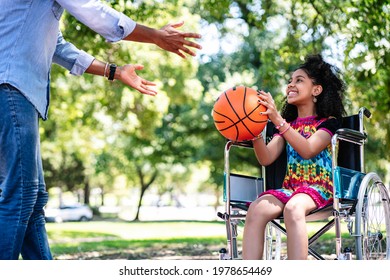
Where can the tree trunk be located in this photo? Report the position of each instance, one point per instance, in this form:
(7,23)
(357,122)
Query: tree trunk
(86,193)
(144,187)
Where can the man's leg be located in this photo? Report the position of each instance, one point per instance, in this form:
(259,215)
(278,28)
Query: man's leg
(36,244)
(19,172)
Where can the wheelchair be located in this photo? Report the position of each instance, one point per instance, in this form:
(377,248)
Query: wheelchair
(360,204)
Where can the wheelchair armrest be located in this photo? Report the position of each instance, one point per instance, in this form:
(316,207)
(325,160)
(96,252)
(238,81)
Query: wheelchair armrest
(351,135)
(245,144)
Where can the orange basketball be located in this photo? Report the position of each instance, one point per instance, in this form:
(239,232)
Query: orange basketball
(236,114)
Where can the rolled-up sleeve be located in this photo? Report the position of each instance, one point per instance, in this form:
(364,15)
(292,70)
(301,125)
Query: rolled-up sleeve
(70,57)
(83,61)
(104,20)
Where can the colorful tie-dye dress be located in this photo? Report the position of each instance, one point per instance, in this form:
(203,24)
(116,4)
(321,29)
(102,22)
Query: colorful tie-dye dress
(310,176)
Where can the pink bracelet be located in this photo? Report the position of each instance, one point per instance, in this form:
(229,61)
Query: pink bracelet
(284,131)
(281,125)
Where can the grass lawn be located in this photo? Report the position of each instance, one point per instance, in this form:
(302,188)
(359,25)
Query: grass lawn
(151,240)
(136,240)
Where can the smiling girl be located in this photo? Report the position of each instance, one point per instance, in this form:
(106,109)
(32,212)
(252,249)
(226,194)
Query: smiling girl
(310,116)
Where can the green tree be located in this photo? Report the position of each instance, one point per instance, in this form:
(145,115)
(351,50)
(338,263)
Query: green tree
(108,130)
(271,38)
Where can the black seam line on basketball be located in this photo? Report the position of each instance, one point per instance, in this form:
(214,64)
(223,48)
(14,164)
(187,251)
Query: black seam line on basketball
(223,116)
(248,115)
(233,123)
(243,105)
(239,119)
(237,132)
(224,121)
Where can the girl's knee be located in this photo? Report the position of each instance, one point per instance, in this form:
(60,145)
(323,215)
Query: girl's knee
(298,207)
(293,211)
(260,212)
(252,214)
(257,208)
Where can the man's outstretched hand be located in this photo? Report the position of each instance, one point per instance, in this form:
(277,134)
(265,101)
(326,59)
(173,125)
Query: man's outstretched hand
(129,77)
(175,41)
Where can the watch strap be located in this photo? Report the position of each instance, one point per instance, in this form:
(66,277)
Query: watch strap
(111,74)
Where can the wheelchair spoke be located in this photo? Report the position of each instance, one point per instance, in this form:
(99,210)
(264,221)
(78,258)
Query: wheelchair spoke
(374,231)
(373,223)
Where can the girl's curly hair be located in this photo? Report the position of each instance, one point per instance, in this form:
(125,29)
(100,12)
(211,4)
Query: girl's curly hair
(330,101)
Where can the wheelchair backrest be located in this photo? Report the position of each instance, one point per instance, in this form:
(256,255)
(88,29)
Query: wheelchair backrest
(275,172)
(243,188)
(348,155)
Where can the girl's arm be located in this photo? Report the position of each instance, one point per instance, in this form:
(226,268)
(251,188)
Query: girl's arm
(308,148)
(267,154)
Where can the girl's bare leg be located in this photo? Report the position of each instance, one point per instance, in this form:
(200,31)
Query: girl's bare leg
(294,214)
(261,211)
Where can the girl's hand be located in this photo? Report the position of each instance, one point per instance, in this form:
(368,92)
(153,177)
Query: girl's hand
(265,98)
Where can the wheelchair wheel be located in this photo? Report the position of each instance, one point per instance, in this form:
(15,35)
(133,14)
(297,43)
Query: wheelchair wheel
(372,221)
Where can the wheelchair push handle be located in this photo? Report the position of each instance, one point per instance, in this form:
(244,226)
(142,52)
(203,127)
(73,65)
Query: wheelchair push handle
(365,111)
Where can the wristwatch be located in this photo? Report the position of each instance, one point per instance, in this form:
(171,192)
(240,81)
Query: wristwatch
(111,74)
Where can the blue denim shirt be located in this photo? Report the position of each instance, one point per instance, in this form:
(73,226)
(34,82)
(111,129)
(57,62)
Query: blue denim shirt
(30,40)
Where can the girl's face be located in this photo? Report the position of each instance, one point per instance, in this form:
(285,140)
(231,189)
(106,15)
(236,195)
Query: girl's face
(300,89)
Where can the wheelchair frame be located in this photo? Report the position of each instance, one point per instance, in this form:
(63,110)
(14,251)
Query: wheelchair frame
(356,211)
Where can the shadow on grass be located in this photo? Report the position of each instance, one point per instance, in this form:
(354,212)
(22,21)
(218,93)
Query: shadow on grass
(136,240)
(154,240)
(202,248)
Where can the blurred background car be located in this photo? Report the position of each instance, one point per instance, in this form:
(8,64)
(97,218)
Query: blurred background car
(64,213)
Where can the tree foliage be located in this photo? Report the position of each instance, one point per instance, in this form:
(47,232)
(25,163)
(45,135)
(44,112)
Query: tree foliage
(98,130)
(103,130)
(272,38)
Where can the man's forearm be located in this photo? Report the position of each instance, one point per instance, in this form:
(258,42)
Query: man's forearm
(143,34)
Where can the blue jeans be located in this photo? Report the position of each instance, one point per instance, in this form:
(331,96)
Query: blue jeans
(22,188)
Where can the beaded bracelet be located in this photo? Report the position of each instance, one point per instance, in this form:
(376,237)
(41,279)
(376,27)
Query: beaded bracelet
(105,70)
